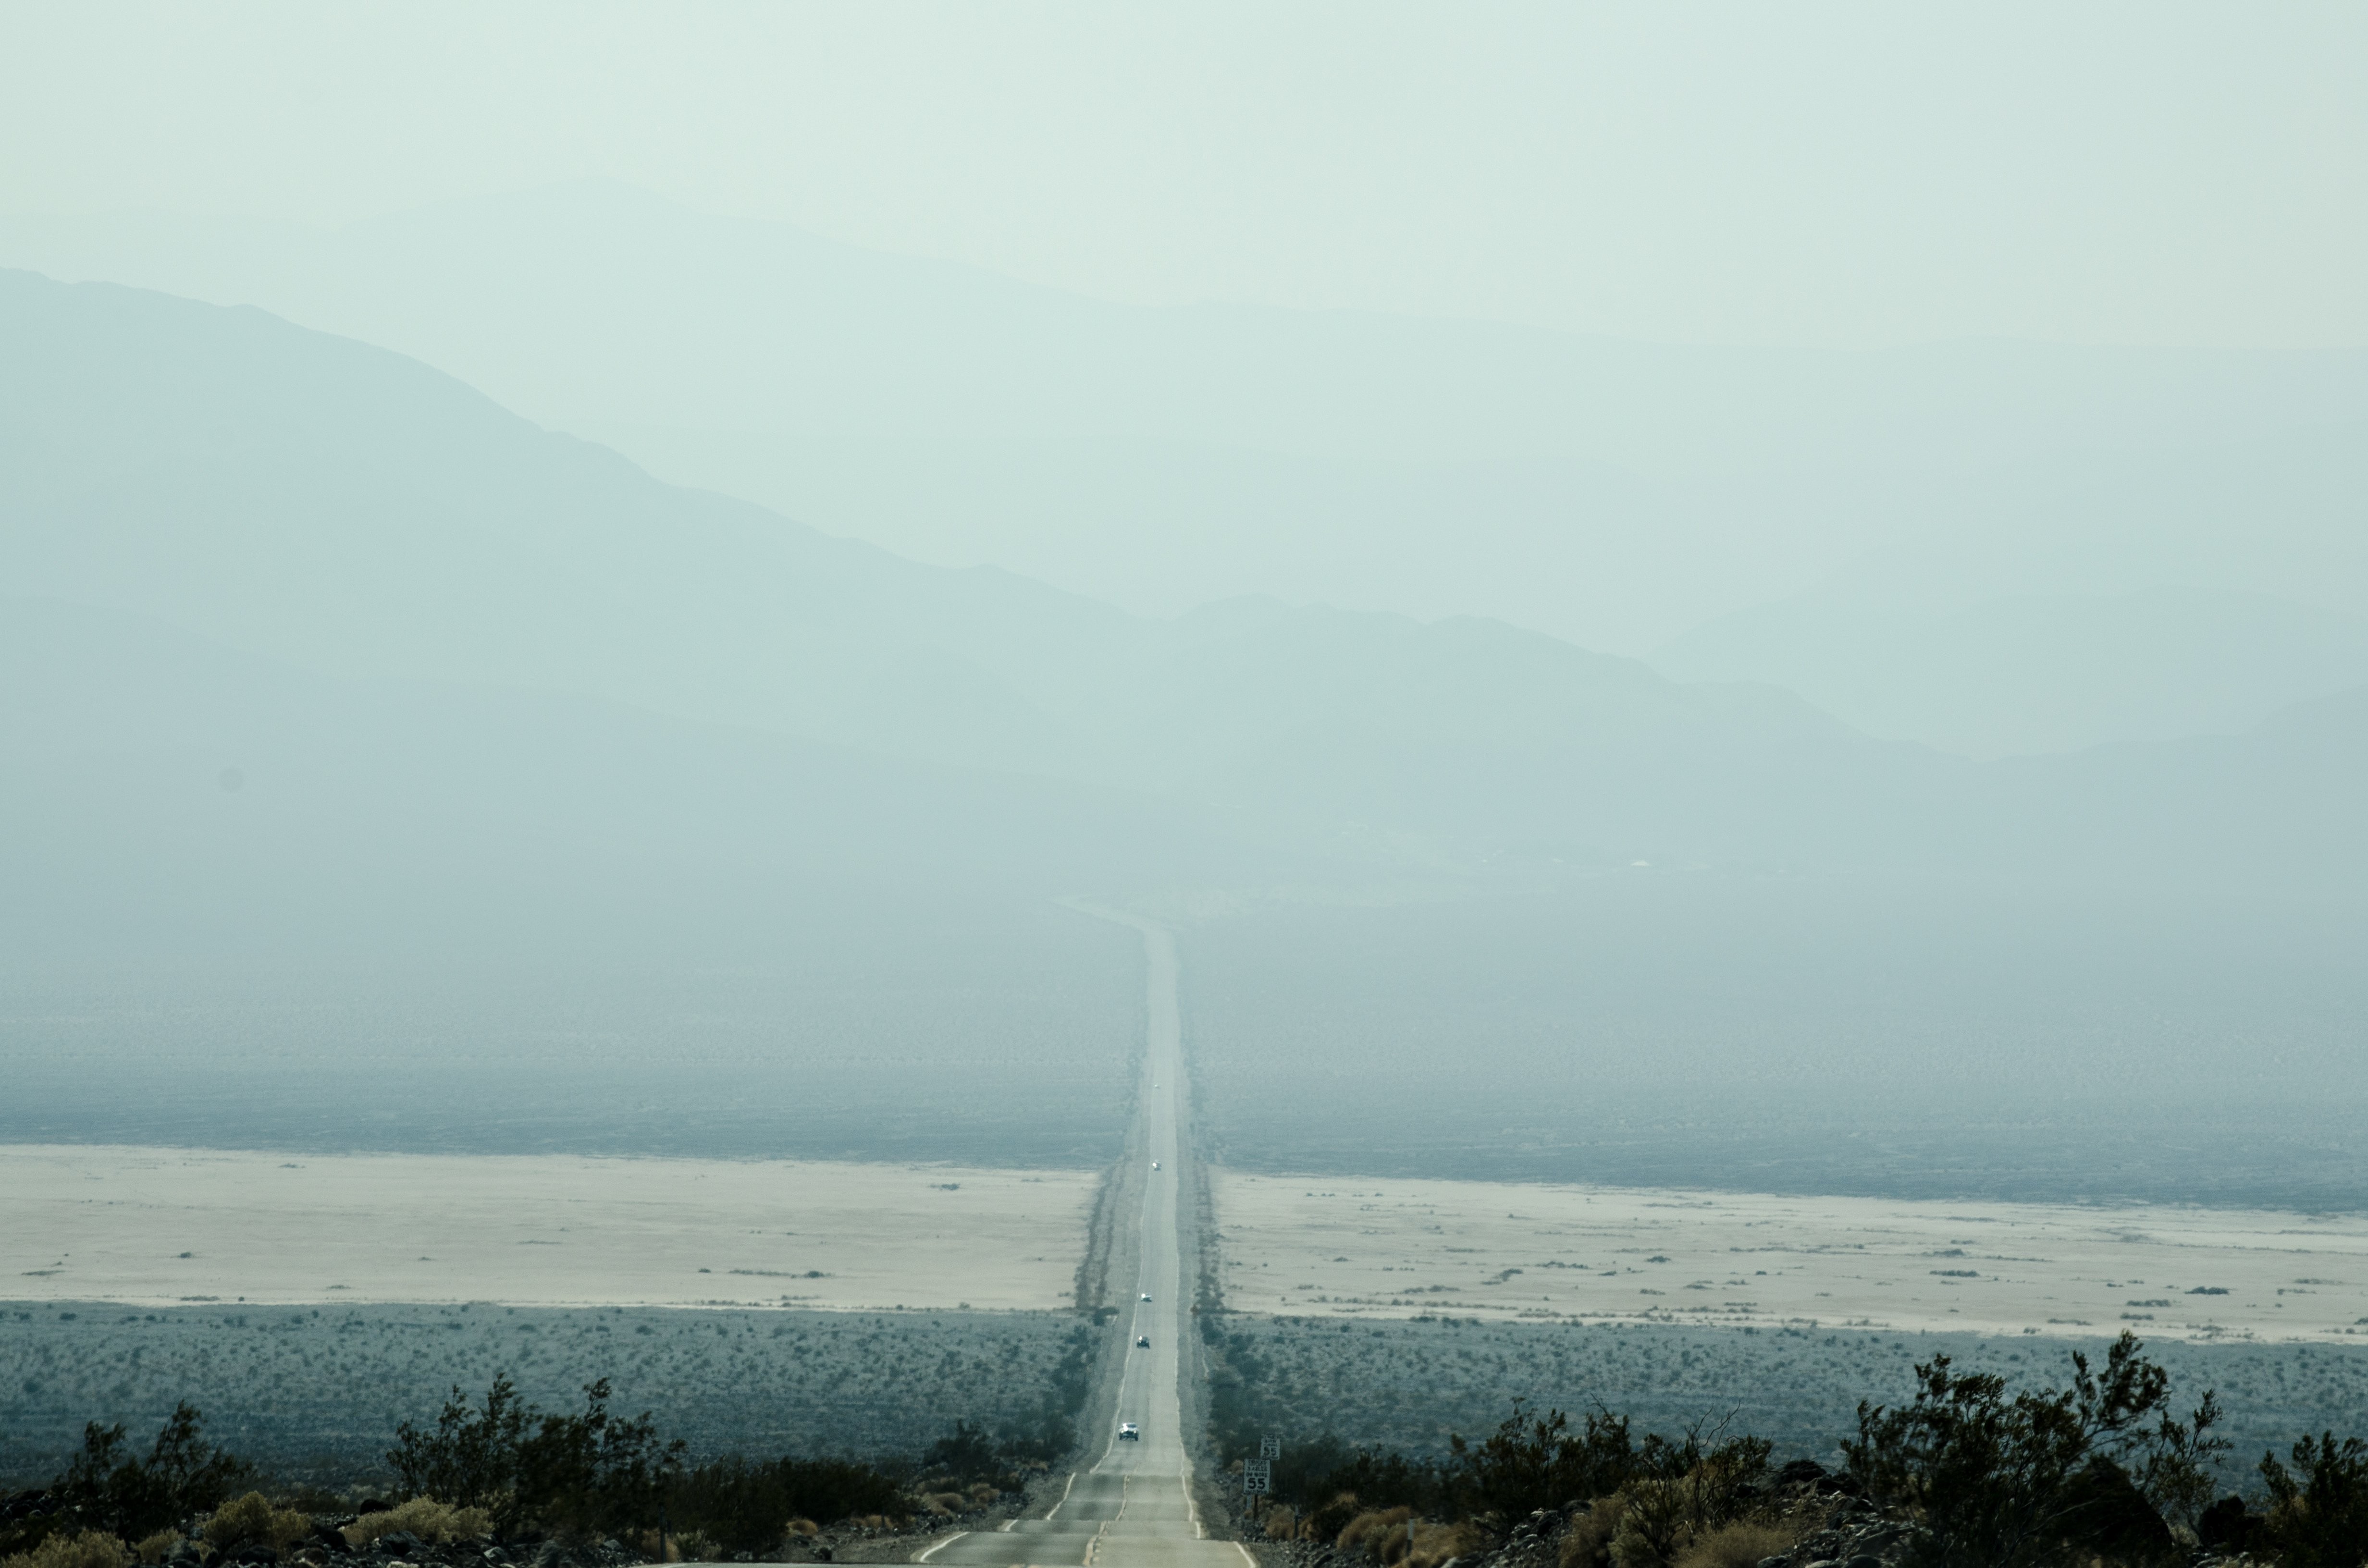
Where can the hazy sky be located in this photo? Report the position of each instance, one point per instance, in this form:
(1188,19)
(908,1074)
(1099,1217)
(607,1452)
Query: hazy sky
(2157,173)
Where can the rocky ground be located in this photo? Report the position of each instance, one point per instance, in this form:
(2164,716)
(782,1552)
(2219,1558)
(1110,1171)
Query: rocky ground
(849,1540)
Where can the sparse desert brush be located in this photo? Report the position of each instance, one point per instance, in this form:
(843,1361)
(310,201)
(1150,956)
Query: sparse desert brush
(425,1518)
(255,1517)
(984,1494)
(1737,1546)
(1280,1523)
(698,1546)
(156,1548)
(1587,1542)
(646,1543)
(91,1549)
(801,1527)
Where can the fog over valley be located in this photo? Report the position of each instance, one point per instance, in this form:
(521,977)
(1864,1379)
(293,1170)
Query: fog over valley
(941,744)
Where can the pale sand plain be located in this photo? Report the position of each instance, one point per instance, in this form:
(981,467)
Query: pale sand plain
(148,1226)
(1322,1246)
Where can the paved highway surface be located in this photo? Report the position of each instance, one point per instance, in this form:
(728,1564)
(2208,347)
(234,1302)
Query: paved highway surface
(1133,1507)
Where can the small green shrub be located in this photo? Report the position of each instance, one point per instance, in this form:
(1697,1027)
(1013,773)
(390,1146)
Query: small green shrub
(155,1548)
(1737,1546)
(255,1517)
(425,1518)
(89,1549)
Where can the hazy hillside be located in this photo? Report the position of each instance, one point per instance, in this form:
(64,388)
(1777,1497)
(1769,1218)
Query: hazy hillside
(1614,494)
(2037,673)
(353,513)
(338,506)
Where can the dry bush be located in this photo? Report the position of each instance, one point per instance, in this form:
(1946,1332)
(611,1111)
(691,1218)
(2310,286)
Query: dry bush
(156,1548)
(1280,1523)
(1735,1546)
(801,1527)
(425,1518)
(1436,1544)
(255,1517)
(1370,1531)
(91,1549)
(873,1521)
(696,1546)
(1381,1534)
(1587,1542)
(982,1495)
(646,1543)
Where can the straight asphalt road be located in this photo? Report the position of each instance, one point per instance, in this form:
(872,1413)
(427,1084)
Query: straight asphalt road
(1132,1508)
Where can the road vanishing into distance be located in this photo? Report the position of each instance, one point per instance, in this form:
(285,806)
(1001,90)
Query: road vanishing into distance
(1133,1507)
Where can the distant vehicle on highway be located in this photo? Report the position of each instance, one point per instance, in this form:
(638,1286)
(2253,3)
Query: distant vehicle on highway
(1154,1165)
(1142,1342)
(1144,1297)
(1129,1432)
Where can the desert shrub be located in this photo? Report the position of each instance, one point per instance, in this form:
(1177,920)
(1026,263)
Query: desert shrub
(1382,1535)
(1369,1532)
(1327,1522)
(85,1549)
(966,1453)
(656,1546)
(1325,1477)
(1532,1462)
(2319,1519)
(1280,1524)
(2006,1482)
(745,1504)
(255,1517)
(1434,1544)
(425,1518)
(1586,1543)
(183,1475)
(595,1474)
(1735,1546)
(471,1459)
(574,1474)
(153,1549)
(696,1546)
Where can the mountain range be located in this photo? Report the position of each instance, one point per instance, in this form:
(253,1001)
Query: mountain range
(321,526)
(2115,517)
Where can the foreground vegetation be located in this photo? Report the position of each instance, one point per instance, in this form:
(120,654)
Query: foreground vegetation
(1969,1472)
(499,1469)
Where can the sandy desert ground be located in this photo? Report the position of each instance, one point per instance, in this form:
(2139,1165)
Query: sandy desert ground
(1327,1247)
(167,1227)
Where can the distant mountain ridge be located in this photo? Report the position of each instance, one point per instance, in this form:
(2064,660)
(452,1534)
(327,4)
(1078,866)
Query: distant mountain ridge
(1613,494)
(345,511)
(2016,674)
(338,506)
